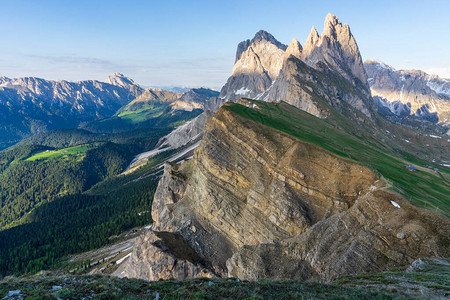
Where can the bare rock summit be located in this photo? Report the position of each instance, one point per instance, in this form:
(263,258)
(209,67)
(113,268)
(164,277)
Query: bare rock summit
(258,63)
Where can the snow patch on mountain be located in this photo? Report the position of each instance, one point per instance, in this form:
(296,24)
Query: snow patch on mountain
(441,87)
(396,107)
(242,91)
(379,64)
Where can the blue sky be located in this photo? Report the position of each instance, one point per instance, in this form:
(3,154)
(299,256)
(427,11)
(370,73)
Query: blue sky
(193,43)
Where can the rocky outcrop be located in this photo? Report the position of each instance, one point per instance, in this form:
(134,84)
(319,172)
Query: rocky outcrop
(410,92)
(255,203)
(294,49)
(258,63)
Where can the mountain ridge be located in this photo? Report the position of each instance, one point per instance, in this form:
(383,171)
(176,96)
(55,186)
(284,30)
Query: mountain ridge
(32,105)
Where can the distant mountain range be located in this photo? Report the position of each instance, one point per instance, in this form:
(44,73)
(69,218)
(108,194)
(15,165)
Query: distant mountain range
(407,93)
(32,105)
(178,89)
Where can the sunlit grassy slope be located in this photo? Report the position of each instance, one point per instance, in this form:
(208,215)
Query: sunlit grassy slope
(156,114)
(71,151)
(425,188)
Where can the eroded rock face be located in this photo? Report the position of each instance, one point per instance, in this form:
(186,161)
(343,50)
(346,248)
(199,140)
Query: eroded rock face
(256,203)
(371,236)
(314,90)
(290,87)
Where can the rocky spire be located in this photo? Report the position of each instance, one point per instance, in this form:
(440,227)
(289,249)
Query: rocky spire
(336,46)
(294,49)
(330,24)
(311,42)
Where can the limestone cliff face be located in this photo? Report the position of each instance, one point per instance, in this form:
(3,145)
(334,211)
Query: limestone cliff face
(258,63)
(410,92)
(295,85)
(255,202)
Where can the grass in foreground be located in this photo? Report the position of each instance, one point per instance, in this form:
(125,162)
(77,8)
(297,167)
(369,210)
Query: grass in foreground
(103,287)
(424,279)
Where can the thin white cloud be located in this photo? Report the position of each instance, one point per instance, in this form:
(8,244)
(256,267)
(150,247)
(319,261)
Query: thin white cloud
(209,71)
(443,72)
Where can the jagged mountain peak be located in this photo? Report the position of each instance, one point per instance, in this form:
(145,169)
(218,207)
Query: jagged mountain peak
(294,49)
(311,42)
(336,47)
(330,18)
(258,63)
(261,35)
(337,33)
(330,24)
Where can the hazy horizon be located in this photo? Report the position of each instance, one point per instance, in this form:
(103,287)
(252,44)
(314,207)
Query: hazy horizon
(193,44)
